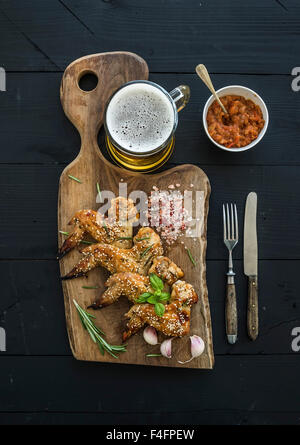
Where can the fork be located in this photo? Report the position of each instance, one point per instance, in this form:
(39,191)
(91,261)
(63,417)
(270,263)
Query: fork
(231,237)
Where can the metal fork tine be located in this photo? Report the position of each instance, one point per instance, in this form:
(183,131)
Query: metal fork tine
(224,222)
(236,223)
(232,222)
(228,224)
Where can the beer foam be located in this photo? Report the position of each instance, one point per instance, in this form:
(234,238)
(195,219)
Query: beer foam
(140,117)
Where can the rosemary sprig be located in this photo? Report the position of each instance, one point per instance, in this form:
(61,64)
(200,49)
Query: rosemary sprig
(64,233)
(96,334)
(75,179)
(153,355)
(90,287)
(142,239)
(99,191)
(191,257)
(146,251)
(106,228)
(124,237)
(82,241)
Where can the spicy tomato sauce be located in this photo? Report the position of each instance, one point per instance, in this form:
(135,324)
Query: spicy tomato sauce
(241,126)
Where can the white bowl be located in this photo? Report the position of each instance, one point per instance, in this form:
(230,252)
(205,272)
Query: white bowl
(238,90)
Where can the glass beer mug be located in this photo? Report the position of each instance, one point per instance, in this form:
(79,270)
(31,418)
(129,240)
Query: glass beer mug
(140,121)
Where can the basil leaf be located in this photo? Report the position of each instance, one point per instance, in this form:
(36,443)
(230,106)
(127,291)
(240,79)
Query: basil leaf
(143,297)
(165,296)
(156,282)
(159,309)
(153,299)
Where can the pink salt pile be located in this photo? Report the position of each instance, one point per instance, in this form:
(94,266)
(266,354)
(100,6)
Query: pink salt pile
(166,213)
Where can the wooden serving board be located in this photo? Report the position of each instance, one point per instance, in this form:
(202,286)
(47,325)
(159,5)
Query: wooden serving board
(85,110)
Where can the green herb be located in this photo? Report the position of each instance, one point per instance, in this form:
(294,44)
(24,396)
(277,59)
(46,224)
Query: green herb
(153,355)
(156,282)
(90,287)
(153,299)
(99,191)
(64,233)
(96,334)
(142,239)
(146,251)
(156,298)
(82,241)
(124,237)
(105,227)
(143,298)
(159,309)
(165,296)
(191,257)
(75,179)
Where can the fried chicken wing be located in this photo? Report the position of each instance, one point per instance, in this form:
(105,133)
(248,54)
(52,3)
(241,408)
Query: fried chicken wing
(130,266)
(116,229)
(166,270)
(147,245)
(131,285)
(175,321)
(128,284)
(110,257)
(183,294)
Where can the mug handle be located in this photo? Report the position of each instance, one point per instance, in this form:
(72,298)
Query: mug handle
(181,96)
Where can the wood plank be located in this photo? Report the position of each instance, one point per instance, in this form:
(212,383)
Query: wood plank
(197,417)
(248,383)
(86,112)
(35,129)
(29,197)
(32,312)
(235,38)
(19,46)
(33,123)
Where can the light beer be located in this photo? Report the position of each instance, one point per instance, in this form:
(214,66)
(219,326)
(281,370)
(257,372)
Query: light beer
(140,122)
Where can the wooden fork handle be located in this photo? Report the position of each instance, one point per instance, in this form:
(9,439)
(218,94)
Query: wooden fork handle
(231,314)
(252,315)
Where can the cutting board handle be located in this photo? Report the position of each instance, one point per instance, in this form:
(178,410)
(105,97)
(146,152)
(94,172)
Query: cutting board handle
(85,109)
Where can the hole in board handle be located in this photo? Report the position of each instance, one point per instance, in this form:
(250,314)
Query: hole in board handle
(88,81)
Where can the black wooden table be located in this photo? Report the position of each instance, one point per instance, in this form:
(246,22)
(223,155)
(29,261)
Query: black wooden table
(253,43)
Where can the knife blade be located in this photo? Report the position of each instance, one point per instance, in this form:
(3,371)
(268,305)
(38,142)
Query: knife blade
(250,263)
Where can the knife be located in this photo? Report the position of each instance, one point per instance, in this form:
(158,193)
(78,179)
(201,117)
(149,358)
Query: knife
(250,264)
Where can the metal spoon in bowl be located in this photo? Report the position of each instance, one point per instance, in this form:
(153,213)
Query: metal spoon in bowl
(204,76)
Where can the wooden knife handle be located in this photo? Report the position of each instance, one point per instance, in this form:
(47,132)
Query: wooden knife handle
(231,314)
(252,321)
